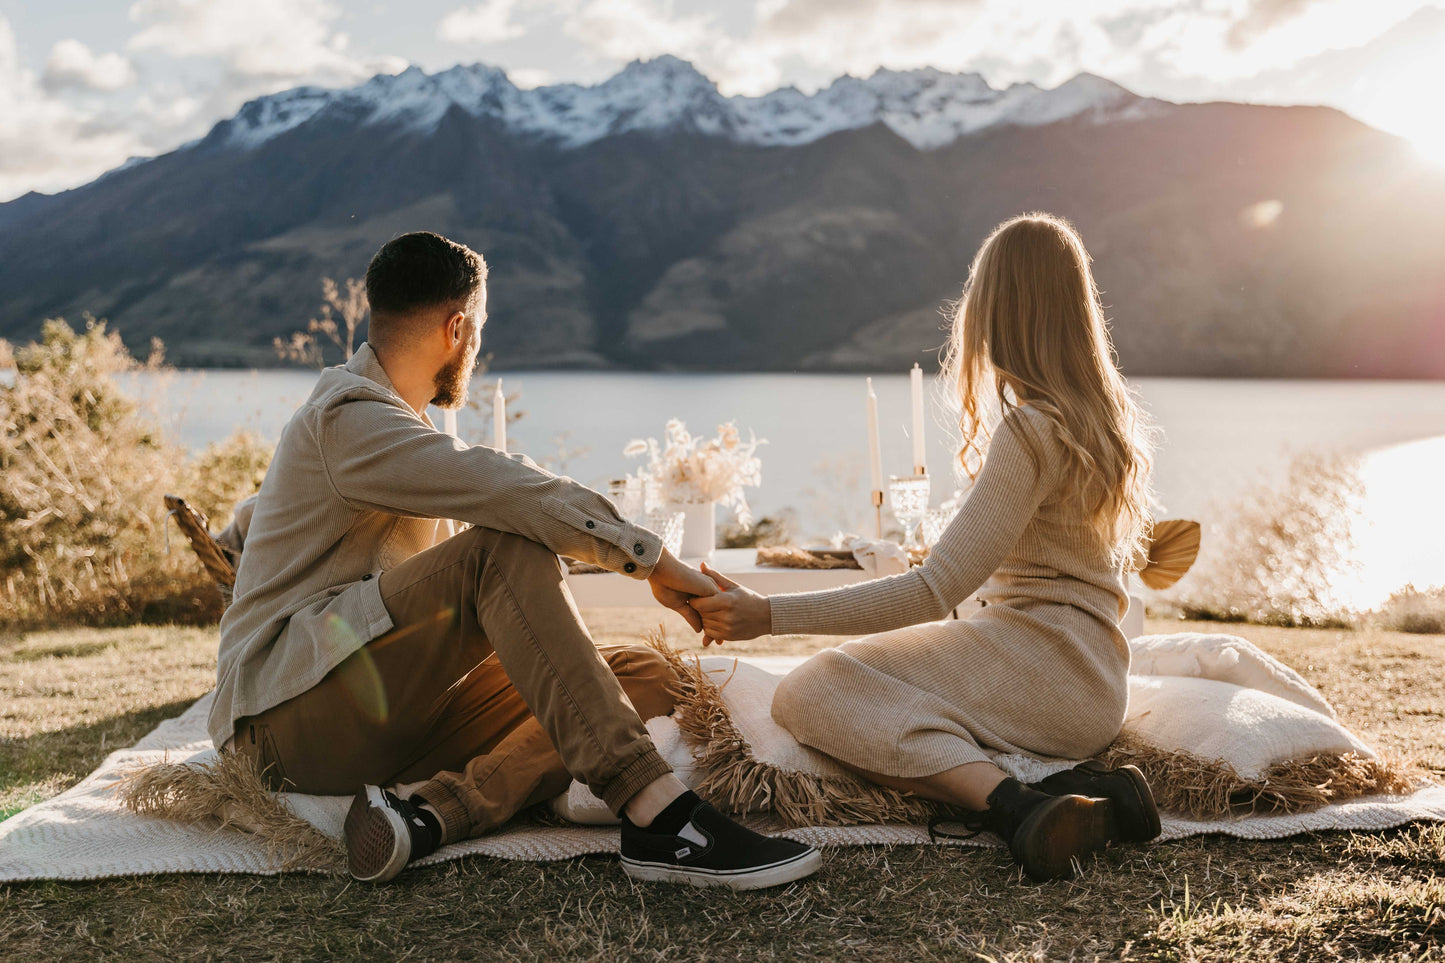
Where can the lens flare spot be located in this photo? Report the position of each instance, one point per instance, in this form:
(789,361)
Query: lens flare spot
(443,616)
(364,685)
(358,674)
(1261,215)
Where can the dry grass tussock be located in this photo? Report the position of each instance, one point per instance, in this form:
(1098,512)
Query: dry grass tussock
(1413,610)
(82,471)
(228,793)
(1275,556)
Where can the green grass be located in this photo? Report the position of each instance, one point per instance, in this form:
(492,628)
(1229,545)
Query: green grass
(68,698)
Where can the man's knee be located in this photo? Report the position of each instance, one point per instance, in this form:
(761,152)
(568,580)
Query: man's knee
(646,676)
(636,660)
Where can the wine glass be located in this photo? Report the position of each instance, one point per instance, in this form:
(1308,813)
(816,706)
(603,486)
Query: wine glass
(935,521)
(908,497)
(669,527)
(628,495)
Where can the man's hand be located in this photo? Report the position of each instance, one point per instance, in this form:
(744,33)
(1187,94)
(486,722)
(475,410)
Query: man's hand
(674,583)
(735,613)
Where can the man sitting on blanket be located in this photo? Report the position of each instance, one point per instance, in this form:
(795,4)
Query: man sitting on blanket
(373,642)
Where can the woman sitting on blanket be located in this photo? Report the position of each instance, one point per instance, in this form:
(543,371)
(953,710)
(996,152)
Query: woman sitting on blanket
(1058,507)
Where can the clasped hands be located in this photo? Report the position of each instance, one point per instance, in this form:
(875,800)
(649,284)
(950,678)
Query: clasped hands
(713,604)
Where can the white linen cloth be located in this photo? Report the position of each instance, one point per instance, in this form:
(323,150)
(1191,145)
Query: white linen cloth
(879,557)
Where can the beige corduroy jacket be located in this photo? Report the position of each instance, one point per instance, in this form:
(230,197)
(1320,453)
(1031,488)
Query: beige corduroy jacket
(359,483)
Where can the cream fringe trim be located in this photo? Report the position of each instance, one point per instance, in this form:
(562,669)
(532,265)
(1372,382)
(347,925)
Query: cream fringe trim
(229,790)
(735,781)
(1211,788)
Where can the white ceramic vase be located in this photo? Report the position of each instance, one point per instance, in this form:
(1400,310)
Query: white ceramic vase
(699,528)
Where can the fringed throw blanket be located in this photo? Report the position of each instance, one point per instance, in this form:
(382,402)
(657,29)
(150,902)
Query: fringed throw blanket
(1232,742)
(1230,732)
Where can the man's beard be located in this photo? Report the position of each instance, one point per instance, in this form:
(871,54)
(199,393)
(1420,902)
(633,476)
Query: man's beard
(451,382)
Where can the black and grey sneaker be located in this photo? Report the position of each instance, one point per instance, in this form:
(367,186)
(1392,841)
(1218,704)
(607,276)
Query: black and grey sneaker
(712,850)
(384,833)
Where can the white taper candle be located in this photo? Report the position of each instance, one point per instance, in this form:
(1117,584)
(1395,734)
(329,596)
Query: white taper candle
(875,450)
(915,383)
(499,418)
(449,421)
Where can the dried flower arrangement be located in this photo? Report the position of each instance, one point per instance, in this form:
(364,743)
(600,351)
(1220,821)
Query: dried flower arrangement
(691,469)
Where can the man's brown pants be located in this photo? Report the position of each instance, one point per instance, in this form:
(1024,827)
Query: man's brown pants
(489,688)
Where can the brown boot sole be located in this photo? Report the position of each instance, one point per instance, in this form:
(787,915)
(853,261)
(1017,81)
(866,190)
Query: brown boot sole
(1060,833)
(1138,816)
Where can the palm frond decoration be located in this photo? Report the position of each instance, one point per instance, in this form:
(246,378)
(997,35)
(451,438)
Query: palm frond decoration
(1173,547)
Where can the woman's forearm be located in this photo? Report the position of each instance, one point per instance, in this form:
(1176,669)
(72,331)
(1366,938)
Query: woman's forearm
(879,605)
(976,542)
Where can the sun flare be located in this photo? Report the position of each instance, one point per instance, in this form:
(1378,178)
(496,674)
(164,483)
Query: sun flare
(1430,143)
(1425,131)
(1404,99)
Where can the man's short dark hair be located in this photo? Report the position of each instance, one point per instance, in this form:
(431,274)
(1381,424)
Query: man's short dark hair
(417,271)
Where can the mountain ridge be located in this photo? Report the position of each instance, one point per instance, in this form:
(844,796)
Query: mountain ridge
(662,243)
(928,107)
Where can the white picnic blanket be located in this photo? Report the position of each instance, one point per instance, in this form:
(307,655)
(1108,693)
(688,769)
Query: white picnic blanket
(85,834)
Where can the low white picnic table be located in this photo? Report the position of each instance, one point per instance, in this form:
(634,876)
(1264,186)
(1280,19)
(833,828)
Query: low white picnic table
(608,590)
(600,590)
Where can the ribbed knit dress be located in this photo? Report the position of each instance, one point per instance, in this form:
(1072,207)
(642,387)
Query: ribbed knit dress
(1042,668)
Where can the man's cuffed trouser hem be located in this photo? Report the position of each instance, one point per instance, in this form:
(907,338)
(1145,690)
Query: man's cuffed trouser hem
(638,775)
(456,820)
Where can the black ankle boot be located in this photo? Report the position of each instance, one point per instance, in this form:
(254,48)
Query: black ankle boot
(1046,834)
(1125,787)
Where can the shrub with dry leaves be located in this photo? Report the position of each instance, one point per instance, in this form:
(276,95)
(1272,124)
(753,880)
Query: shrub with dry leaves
(82,471)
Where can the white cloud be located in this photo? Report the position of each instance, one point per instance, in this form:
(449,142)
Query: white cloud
(200,60)
(529,77)
(74,65)
(487,22)
(1172,48)
(280,40)
(218,54)
(230,51)
(190,63)
(858,36)
(47,143)
(619,31)
(629,29)
(1260,16)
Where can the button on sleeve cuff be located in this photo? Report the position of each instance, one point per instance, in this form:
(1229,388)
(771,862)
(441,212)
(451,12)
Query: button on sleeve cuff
(643,548)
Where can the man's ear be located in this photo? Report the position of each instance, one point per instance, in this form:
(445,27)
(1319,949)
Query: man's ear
(456,329)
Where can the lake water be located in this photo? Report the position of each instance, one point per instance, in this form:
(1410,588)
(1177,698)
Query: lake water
(1221,437)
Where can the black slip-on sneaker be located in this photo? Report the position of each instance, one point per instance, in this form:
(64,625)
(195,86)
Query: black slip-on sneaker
(384,833)
(712,850)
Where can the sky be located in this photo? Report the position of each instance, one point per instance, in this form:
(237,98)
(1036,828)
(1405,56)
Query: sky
(86,84)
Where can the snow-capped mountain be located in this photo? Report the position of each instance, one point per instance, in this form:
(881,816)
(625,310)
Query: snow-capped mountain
(785,232)
(929,108)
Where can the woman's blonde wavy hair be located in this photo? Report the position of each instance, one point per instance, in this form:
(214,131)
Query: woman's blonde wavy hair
(1029,329)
